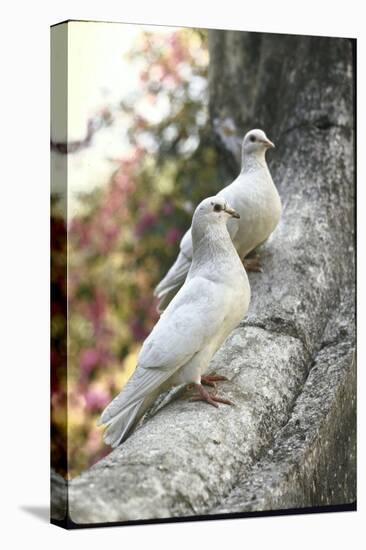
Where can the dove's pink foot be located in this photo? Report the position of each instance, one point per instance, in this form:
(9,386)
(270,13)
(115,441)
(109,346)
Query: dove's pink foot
(210,379)
(212,399)
(253,264)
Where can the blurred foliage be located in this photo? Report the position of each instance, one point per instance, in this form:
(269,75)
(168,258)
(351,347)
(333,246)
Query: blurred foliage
(126,238)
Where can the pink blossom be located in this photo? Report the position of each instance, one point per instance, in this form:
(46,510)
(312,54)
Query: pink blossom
(111,232)
(96,309)
(139,333)
(76,400)
(96,399)
(94,442)
(177,49)
(173,235)
(81,231)
(157,72)
(172,39)
(89,358)
(146,221)
(123,182)
(140,122)
(168,208)
(144,76)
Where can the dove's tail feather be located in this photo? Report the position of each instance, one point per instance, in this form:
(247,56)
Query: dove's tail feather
(127,408)
(122,425)
(166,298)
(173,280)
(119,428)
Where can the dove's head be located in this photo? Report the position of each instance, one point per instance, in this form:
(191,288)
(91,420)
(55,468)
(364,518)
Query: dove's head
(256,142)
(209,222)
(213,210)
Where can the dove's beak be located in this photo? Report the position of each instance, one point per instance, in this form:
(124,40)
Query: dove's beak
(232,212)
(268,143)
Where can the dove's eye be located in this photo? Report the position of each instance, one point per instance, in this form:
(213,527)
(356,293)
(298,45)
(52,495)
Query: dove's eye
(253,138)
(217,208)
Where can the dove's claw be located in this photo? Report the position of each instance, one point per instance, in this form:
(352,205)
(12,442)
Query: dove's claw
(199,398)
(210,398)
(222,400)
(253,264)
(207,382)
(210,378)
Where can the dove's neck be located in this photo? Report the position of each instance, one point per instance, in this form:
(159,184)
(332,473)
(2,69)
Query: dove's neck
(252,162)
(210,242)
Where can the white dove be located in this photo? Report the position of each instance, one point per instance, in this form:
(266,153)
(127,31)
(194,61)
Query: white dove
(254,196)
(211,303)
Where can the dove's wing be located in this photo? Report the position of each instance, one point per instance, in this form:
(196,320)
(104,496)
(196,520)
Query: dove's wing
(186,244)
(174,279)
(190,321)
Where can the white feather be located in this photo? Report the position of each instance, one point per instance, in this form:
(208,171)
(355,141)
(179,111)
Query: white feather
(254,196)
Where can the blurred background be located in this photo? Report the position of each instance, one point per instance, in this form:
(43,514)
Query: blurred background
(137,164)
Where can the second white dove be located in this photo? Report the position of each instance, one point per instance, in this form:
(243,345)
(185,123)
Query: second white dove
(253,195)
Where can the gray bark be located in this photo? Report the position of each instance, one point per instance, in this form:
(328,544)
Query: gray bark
(290,439)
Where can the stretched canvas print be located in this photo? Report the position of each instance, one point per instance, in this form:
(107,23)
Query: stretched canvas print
(202,274)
